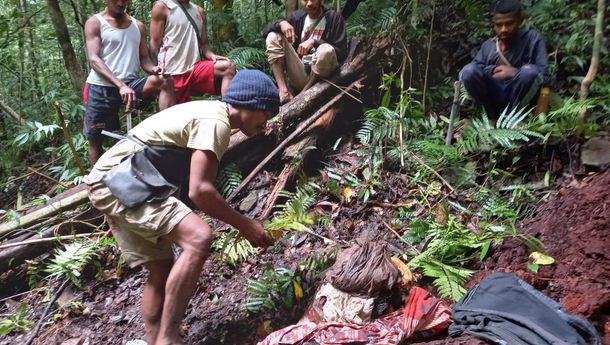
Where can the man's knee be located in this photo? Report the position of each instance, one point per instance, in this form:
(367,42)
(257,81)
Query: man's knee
(471,72)
(528,73)
(273,39)
(274,47)
(325,60)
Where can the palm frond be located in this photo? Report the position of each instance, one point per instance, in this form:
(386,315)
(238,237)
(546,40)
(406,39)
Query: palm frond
(247,57)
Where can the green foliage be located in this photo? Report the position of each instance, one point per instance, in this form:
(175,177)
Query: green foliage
(449,280)
(277,286)
(70,261)
(564,121)
(247,57)
(16,322)
(34,132)
(228,179)
(233,247)
(482,135)
(361,23)
(294,214)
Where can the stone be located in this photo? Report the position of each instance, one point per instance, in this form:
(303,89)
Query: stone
(596,152)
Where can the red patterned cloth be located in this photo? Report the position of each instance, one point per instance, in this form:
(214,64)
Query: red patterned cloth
(423,315)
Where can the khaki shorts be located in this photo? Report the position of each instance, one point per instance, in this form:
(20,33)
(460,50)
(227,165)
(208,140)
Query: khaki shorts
(138,230)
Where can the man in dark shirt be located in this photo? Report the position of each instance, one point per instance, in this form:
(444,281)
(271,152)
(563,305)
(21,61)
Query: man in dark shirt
(309,39)
(509,68)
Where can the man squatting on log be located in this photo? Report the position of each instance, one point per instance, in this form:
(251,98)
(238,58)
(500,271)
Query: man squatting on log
(307,44)
(145,232)
(116,47)
(510,68)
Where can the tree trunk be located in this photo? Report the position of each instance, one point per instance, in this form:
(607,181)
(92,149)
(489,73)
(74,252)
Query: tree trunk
(32,54)
(67,50)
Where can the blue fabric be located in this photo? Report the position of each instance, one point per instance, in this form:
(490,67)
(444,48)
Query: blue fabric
(253,89)
(527,53)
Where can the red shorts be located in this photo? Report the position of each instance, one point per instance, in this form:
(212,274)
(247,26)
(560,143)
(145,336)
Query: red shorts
(197,81)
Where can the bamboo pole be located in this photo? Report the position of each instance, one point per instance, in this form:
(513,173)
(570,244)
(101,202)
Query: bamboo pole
(51,209)
(68,137)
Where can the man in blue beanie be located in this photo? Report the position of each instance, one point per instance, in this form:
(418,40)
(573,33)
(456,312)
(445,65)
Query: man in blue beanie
(510,68)
(145,232)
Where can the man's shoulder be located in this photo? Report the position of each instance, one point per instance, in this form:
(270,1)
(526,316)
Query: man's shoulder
(532,34)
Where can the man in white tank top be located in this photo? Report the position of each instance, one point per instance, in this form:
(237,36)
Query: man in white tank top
(116,47)
(176,47)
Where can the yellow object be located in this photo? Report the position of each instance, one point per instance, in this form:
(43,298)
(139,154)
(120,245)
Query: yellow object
(542,106)
(405,272)
(298,290)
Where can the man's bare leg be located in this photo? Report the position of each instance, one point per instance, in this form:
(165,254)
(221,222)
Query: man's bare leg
(95,150)
(164,87)
(225,70)
(153,296)
(194,236)
(278,68)
(313,78)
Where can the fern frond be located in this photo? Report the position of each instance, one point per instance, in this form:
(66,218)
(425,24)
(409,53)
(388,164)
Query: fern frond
(228,179)
(449,280)
(247,57)
(69,261)
(233,247)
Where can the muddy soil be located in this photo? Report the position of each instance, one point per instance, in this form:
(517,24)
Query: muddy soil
(574,225)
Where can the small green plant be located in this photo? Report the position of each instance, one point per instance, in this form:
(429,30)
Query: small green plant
(482,135)
(16,322)
(228,179)
(294,214)
(34,132)
(233,247)
(69,261)
(278,285)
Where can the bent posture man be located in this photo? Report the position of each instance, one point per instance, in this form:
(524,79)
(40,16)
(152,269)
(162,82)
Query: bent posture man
(510,68)
(312,38)
(116,47)
(145,231)
(184,52)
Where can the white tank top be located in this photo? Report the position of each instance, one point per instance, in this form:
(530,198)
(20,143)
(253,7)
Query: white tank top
(179,49)
(120,51)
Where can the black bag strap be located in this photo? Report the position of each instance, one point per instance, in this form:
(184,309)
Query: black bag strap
(192,21)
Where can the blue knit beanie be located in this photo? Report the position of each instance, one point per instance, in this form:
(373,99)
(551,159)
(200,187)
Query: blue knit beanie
(253,89)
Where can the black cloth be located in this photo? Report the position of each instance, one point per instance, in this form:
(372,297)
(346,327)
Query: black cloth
(350,7)
(506,310)
(334,33)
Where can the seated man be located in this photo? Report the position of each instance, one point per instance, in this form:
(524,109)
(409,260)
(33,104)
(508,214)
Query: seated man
(184,52)
(116,47)
(510,68)
(313,38)
(147,228)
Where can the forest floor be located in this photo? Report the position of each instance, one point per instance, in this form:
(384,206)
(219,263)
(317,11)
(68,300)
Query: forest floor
(573,224)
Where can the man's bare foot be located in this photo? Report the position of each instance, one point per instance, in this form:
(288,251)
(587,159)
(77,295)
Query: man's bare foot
(285,97)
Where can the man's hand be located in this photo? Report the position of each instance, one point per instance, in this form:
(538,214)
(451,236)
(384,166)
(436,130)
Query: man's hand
(503,72)
(305,47)
(287,30)
(128,96)
(254,232)
(159,70)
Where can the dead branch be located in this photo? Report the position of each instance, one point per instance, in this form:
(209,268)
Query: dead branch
(45,313)
(12,113)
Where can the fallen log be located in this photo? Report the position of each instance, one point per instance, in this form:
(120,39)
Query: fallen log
(287,141)
(291,169)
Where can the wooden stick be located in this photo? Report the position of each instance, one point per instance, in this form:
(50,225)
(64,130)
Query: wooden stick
(46,311)
(428,57)
(68,137)
(286,141)
(598,37)
(37,172)
(11,112)
(400,237)
(52,209)
(420,161)
(50,239)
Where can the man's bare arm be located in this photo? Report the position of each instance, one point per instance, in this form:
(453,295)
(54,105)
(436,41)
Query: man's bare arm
(204,167)
(158,20)
(206,52)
